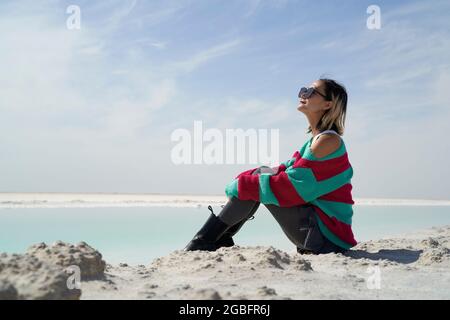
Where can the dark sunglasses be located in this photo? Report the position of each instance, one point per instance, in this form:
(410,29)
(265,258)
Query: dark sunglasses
(308,92)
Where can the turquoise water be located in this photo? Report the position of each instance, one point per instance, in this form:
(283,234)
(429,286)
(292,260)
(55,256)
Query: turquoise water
(138,235)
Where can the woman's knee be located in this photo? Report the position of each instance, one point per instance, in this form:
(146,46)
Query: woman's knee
(299,223)
(236,210)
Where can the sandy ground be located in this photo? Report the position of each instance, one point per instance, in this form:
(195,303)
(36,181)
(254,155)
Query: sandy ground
(411,266)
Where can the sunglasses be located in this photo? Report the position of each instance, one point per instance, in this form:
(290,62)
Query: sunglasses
(308,92)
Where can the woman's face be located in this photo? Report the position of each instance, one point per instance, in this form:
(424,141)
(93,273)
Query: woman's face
(315,103)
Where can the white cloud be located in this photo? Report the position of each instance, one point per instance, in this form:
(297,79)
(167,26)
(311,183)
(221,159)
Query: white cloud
(404,160)
(408,9)
(253,6)
(205,55)
(237,112)
(122,12)
(154,14)
(159,45)
(52,73)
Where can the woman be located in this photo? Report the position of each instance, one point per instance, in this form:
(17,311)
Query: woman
(309,195)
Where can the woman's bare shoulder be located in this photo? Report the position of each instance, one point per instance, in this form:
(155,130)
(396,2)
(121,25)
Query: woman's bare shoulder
(325,145)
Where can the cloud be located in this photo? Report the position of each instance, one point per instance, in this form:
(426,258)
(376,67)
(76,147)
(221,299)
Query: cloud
(122,12)
(404,160)
(36,61)
(406,10)
(204,56)
(160,12)
(159,45)
(253,6)
(125,118)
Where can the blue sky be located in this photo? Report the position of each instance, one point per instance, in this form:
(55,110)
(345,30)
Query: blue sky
(92,110)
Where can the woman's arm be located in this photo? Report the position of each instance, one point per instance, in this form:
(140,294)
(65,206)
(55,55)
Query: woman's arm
(301,183)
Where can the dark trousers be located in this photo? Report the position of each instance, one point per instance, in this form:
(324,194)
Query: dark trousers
(299,223)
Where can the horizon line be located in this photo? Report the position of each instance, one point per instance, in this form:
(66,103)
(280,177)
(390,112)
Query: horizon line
(101,199)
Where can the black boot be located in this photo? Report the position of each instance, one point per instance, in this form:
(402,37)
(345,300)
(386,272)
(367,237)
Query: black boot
(227,238)
(206,238)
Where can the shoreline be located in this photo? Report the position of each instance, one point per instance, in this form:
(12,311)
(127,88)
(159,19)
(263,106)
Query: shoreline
(92,200)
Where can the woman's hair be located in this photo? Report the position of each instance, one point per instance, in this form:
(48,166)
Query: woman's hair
(334,117)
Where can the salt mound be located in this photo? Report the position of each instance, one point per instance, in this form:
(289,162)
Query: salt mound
(434,252)
(227,273)
(43,273)
(240,257)
(64,255)
(26,277)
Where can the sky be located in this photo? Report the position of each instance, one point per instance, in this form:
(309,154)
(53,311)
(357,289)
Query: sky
(93,109)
